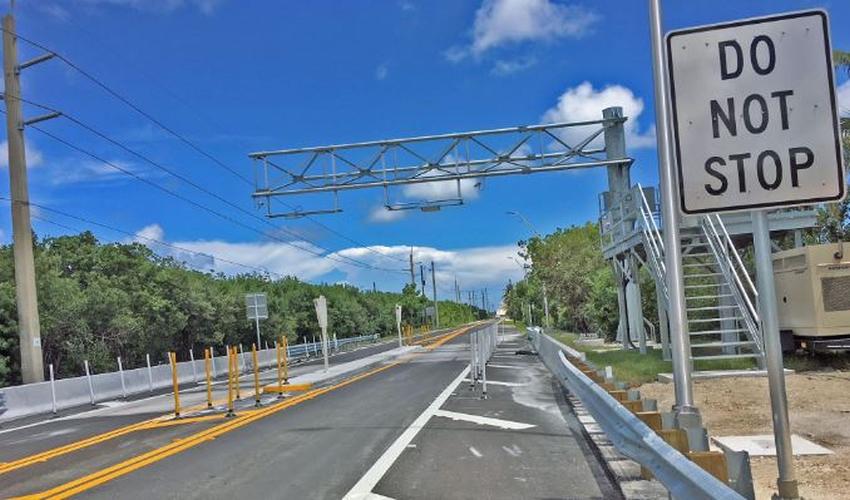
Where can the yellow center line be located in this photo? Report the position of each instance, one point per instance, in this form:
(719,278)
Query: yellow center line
(244,418)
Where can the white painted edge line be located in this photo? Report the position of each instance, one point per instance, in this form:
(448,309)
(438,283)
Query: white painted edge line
(475,419)
(512,367)
(363,489)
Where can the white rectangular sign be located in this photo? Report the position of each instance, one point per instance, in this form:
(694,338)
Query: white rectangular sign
(321,311)
(256,306)
(755,114)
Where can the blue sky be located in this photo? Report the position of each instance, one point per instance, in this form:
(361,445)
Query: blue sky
(240,76)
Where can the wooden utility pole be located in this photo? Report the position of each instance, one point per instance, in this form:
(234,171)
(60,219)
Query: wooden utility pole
(29,330)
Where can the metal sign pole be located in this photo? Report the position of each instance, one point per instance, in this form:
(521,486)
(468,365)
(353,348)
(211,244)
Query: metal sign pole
(787,482)
(679,337)
(257,323)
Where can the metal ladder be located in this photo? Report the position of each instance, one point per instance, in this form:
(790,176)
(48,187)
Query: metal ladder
(720,297)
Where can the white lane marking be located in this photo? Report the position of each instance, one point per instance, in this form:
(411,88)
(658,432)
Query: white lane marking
(498,382)
(363,489)
(512,367)
(475,452)
(475,419)
(513,451)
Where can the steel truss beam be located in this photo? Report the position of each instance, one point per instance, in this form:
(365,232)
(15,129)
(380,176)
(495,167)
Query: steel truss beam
(453,158)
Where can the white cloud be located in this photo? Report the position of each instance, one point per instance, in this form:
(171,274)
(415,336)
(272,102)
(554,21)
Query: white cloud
(503,22)
(511,66)
(80,171)
(583,102)
(159,6)
(34,156)
(407,5)
(381,71)
(148,233)
(844,98)
(381,214)
(55,11)
(443,190)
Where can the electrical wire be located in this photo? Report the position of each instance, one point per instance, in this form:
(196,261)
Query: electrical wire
(191,144)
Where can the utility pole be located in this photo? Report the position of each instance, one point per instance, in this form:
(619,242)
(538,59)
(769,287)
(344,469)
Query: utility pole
(412,273)
(29,329)
(422,277)
(434,287)
(457,291)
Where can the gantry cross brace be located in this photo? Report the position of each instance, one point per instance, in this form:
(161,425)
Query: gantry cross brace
(452,158)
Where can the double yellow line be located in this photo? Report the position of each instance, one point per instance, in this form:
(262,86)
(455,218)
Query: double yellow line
(105,475)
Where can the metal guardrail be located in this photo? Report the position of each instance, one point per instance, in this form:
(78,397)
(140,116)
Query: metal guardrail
(683,478)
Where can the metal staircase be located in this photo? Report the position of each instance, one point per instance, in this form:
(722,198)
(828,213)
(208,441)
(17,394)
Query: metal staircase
(719,294)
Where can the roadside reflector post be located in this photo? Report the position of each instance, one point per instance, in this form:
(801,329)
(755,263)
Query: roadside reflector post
(230,370)
(321,304)
(256,375)
(192,361)
(88,378)
(172,356)
(398,323)
(207,363)
(150,372)
(52,387)
(121,375)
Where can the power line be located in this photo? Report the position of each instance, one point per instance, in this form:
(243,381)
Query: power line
(191,144)
(130,233)
(197,186)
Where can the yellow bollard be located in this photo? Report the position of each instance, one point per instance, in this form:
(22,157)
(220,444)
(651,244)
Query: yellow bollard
(207,363)
(256,375)
(172,357)
(279,362)
(230,412)
(285,361)
(236,373)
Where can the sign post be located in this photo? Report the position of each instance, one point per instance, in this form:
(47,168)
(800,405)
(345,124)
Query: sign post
(756,122)
(322,315)
(257,308)
(398,323)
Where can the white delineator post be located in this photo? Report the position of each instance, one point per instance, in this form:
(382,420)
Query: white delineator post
(52,388)
(192,362)
(398,323)
(88,378)
(150,372)
(121,375)
(679,336)
(322,316)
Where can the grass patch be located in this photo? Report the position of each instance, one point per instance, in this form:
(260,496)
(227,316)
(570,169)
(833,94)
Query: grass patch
(819,362)
(636,368)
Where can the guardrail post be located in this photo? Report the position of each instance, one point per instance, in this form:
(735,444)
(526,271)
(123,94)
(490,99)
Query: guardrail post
(121,375)
(88,377)
(52,388)
(192,361)
(212,362)
(150,372)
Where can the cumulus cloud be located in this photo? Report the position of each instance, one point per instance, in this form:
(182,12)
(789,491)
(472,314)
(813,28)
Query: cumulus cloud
(474,267)
(584,102)
(34,156)
(504,22)
(381,215)
(80,171)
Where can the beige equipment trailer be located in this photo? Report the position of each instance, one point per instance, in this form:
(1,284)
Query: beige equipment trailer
(813,294)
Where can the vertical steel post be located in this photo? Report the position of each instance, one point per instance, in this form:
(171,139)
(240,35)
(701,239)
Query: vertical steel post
(679,336)
(192,362)
(231,361)
(29,329)
(121,375)
(88,378)
(256,375)
(257,323)
(150,372)
(787,481)
(52,388)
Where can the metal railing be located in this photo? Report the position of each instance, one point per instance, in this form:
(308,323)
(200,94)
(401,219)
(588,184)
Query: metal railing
(653,243)
(732,267)
(482,345)
(632,437)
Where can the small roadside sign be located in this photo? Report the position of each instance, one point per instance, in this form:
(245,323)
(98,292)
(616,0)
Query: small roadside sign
(256,306)
(755,116)
(321,311)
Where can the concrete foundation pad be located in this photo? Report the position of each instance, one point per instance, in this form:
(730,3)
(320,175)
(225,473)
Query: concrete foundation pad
(667,378)
(763,445)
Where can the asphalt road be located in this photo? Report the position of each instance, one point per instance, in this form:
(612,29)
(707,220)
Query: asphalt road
(322,446)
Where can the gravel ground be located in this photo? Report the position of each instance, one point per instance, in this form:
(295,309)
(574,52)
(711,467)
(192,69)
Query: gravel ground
(819,410)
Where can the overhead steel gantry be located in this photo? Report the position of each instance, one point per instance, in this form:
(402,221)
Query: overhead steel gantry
(457,157)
